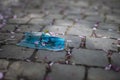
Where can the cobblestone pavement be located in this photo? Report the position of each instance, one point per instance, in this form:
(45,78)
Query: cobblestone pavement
(69,19)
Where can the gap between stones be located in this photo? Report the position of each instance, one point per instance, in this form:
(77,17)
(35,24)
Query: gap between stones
(32,57)
(86,73)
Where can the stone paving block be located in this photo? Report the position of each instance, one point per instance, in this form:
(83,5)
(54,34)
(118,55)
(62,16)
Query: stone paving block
(116,10)
(81,31)
(29,28)
(56,29)
(115,2)
(73,10)
(82,28)
(34,14)
(73,31)
(89,57)
(101,74)
(73,41)
(108,26)
(67,72)
(73,16)
(18,37)
(91,12)
(40,21)
(54,16)
(84,24)
(15,52)
(53,10)
(19,20)
(94,18)
(108,33)
(27,4)
(4,36)
(11,38)
(52,4)
(64,22)
(99,43)
(8,28)
(112,17)
(116,59)
(48,5)
(32,71)
(9,3)
(50,55)
(3,64)
(79,3)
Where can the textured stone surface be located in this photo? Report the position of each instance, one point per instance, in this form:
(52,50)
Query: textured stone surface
(99,43)
(29,28)
(10,38)
(101,74)
(89,57)
(56,29)
(3,64)
(32,71)
(8,28)
(15,52)
(115,59)
(69,19)
(66,72)
(50,55)
(19,20)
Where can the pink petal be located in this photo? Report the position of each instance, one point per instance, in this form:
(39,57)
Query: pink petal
(1,75)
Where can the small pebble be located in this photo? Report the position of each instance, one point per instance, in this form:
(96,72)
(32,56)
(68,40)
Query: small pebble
(28,60)
(15,16)
(12,37)
(12,32)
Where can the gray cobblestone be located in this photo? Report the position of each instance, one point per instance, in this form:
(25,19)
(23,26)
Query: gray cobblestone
(29,28)
(58,29)
(66,72)
(12,51)
(98,74)
(97,43)
(89,57)
(32,71)
(3,65)
(115,59)
(50,56)
(19,20)
(70,19)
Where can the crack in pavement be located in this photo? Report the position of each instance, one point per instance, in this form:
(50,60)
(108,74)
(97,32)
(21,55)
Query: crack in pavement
(86,73)
(32,57)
